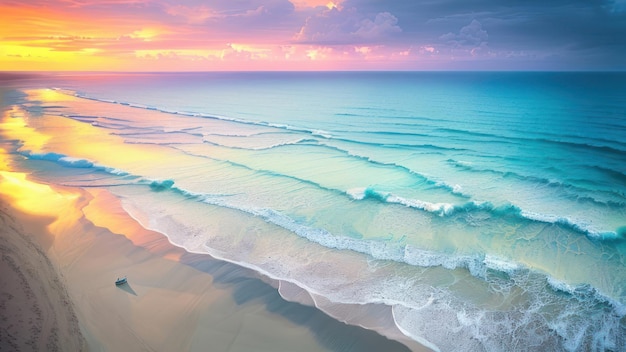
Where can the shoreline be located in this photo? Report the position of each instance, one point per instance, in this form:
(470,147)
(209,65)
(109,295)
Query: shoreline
(197,300)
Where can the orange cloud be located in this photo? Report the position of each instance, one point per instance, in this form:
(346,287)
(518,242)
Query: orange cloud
(42,38)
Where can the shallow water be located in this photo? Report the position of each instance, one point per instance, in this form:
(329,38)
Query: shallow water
(472,210)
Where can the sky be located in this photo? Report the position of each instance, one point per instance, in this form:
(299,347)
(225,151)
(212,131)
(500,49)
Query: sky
(250,35)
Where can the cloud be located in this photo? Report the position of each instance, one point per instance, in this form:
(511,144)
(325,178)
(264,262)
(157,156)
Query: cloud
(575,34)
(471,35)
(338,25)
(221,11)
(192,14)
(383,25)
(570,29)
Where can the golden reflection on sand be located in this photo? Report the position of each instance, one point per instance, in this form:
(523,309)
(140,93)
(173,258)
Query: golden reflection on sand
(41,134)
(38,199)
(15,126)
(34,198)
(48,95)
(80,140)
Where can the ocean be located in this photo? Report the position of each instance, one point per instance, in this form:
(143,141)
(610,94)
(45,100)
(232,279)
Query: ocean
(470,210)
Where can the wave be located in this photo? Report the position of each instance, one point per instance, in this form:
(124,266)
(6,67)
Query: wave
(269,173)
(619,153)
(577,226)
(385,197)
(597,146)
(468,166)
(82,118)
(88,117)
(416,146)
(603,148)
(470,133)
(110,126)
(598,141)
(161,185)
(396,251)
(386,133)
(486,267)
(478,265)
(616,175)
(298,141)
(507,210)
(578,320)
(71,162)
(315,132)
(441,209)
(455,190)
(157,132)
(377,249)
(367,192)
(569,190)
(586,290)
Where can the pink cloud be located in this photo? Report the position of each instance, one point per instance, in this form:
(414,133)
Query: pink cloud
(192,14)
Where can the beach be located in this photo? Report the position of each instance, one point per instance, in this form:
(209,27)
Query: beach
(364,212)
(58,290)
(308,175)
(36,312)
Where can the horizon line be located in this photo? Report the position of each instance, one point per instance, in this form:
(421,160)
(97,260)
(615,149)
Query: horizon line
(9,72)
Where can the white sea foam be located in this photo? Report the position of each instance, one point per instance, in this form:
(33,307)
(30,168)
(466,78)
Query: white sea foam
(322,133)
(619,308)
(578,225)
(75,162)
(366,192)
(499,264)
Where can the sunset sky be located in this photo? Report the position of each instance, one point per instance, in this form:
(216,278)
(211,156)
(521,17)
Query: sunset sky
(207,35)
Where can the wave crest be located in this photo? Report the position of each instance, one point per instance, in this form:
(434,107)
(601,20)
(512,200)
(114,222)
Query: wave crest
(161,185)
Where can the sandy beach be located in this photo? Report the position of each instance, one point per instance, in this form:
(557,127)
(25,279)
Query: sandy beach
(60,261)
(36,312)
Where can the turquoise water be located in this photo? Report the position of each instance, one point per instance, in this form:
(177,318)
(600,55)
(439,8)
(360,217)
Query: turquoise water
(482,211)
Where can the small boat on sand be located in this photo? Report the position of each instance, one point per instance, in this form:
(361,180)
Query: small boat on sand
(120,281)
